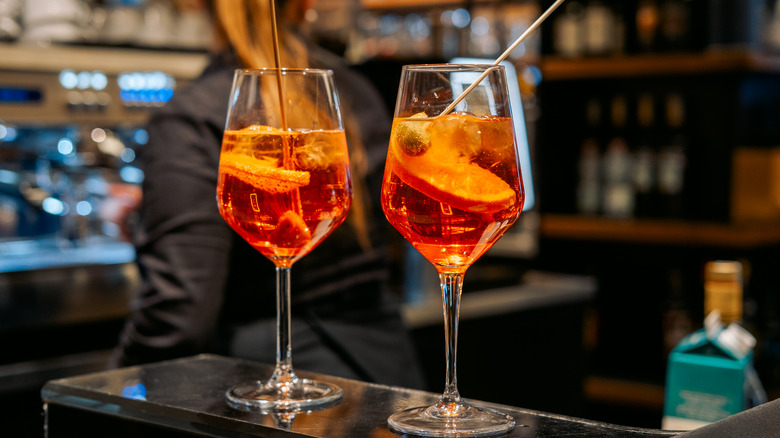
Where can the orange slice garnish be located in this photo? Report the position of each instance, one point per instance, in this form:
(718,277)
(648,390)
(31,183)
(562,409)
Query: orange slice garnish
(445,169)
(263,174)
(461,184)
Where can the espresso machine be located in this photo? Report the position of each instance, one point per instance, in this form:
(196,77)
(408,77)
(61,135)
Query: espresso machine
(71,137)
(71,129)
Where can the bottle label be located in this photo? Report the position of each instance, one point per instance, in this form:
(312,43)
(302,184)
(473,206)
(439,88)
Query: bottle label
(724,296)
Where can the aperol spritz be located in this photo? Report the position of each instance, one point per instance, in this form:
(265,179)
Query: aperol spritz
(283,210)
(452,188)
(284,185)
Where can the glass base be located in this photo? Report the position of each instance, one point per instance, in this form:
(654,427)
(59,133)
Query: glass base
(470,422)
(266,395)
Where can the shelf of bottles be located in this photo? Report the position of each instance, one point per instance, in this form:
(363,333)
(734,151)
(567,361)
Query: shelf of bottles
(598,28)
(659,96)
(436,29)
(647,108)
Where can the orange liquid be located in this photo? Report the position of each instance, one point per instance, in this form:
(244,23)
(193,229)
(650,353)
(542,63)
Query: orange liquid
(284,192)
(457,198)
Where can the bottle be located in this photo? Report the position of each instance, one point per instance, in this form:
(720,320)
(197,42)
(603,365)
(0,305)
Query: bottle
(675,27)
(644,173)
(672,158)
(723,294)
(568,31)
(646,23)
(589,185)
(618,199)
(710,373)
(723,290)
(772,37)
(599,28)
(620,34)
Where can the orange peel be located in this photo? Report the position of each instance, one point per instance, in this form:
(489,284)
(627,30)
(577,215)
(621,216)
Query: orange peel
(263,175)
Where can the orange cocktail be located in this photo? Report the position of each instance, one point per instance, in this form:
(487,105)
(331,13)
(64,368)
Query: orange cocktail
(284,191)
(451,185)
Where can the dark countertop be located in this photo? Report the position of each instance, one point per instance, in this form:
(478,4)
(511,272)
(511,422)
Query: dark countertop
(187,395)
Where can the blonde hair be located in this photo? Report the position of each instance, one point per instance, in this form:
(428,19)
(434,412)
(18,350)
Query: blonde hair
(246,27)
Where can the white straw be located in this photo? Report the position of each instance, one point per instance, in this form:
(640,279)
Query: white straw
(506,53)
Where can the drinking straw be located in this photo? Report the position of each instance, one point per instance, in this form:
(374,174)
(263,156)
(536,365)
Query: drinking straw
(503,56)
(287,152)
(278,63)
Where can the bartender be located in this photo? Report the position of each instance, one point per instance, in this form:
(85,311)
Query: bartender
(204,289)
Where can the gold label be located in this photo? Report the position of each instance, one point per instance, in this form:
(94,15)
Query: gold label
(724,296)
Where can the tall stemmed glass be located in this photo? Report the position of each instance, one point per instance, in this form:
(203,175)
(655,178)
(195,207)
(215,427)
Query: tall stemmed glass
(452,187)
(284,185)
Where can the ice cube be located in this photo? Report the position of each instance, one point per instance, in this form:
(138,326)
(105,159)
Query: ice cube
(318,150)
(312,155)
(257,141)
(498,136)
(458,134)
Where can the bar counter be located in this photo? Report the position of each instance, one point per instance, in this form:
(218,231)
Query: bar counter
(185,397)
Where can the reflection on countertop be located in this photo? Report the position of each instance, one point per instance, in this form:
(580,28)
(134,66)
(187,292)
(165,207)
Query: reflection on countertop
(186,397)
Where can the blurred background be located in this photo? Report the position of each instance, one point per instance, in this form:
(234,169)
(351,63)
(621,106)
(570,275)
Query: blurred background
(652,130)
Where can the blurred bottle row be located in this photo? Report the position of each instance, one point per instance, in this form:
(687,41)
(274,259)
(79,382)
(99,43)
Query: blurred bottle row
(173,24)
(438,32)
(360,33)
(616,27)
(578,28)
(632,159)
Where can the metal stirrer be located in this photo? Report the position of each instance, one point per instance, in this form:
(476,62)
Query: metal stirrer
(504,55)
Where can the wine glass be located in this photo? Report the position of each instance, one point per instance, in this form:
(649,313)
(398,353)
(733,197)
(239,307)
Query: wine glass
(452,187)
(284,185)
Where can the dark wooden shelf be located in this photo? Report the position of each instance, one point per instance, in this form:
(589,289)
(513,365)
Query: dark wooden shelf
(660,232)
(727,61)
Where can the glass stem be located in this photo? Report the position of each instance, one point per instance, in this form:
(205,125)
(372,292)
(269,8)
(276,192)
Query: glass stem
(283,374)
(451,288)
